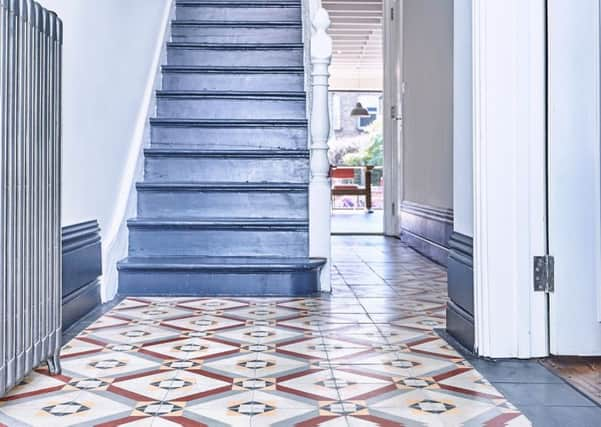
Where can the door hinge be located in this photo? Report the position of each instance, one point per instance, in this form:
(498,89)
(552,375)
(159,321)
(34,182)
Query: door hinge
(395,113)
(393,209)
(392,13)
(544,273)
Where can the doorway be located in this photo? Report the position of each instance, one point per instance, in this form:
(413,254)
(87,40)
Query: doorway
(393,63)
(357,117)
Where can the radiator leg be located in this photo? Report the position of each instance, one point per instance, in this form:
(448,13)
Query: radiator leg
(54,364)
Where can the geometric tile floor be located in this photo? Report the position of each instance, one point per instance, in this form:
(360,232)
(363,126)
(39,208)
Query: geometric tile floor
(366,355)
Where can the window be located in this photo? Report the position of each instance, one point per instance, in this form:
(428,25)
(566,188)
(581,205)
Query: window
(372,104)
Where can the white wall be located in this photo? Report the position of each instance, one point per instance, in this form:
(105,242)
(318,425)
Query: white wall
(350,79)
(428,102)
(111,51)
(463,205)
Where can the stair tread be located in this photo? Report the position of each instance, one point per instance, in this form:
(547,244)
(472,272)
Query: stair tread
(242,24)
(237,224)
(233,69)
(266,95)
(237,3)
(225,46)
(214,221)
(195,262)
(231,122)
(225,185)
(223,153)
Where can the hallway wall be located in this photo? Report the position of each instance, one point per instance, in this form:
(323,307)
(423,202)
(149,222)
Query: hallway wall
(111,48)
(428,71)
(460,309)
(463,198)
(427,208)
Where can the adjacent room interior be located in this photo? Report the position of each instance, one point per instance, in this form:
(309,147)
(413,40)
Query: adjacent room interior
(356,113)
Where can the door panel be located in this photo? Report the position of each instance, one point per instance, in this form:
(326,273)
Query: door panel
(393,129)
(574,178)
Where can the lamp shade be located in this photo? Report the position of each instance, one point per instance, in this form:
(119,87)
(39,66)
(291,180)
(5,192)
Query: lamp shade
(359,111)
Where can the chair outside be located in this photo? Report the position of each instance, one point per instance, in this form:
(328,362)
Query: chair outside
(343,183)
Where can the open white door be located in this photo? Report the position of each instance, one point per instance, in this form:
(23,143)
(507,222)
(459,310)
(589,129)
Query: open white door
(574,177)
(393,123)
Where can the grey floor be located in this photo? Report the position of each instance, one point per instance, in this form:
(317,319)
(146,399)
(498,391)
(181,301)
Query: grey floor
(546,399)
(357,222)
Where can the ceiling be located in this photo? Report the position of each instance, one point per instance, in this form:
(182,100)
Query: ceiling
(356,29)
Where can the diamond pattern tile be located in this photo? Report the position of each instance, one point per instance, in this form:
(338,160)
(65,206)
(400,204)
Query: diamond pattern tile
(366,355)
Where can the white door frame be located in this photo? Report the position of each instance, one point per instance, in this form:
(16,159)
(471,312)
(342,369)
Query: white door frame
(392,128)
(509,78)
(509,139)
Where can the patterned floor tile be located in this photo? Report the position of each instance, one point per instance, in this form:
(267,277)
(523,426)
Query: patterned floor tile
(62,409)
(367,355)
(80,346)
(213,304)
(36,383)
(435,408)
(153,312)
(203,323)
(251,408)
(132,334)
(108,364)
(260,334)
(257,365)
(189,349)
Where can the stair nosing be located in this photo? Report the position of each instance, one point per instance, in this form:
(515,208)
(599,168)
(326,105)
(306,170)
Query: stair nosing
(153,186)
(209,123)
(232,69)
(235,24)
(235,224)
(199,152)
(235,46)
(250,95)
(239,3)
(164,264)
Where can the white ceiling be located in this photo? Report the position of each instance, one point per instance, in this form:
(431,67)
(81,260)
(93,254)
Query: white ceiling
(356,29)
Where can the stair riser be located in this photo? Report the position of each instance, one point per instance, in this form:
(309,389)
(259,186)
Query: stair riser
(198,204)
(234,57)
(234,82)
(236,34)
(228,242)
(172,283)
(235,109)
(219,169)
(231,13)
(230,138)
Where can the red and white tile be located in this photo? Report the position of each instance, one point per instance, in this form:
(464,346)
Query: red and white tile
(340,360)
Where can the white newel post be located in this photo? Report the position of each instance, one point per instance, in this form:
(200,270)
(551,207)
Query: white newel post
(319,188)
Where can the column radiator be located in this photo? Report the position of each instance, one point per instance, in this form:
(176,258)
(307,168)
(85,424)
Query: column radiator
(30,163)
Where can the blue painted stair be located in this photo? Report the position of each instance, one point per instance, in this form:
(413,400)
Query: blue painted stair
(223,208)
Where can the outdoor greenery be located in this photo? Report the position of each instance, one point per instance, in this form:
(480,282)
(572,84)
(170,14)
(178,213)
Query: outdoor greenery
(373,153)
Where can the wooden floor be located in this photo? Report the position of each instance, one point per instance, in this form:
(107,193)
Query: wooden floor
(584,373)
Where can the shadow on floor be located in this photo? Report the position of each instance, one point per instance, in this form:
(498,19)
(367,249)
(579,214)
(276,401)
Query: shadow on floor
(357,222)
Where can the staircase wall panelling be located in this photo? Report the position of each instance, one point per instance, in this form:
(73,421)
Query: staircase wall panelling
(460,309)
(427,230)
(82,268)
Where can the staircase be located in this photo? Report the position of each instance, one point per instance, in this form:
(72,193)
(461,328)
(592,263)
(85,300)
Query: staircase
(223,208)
